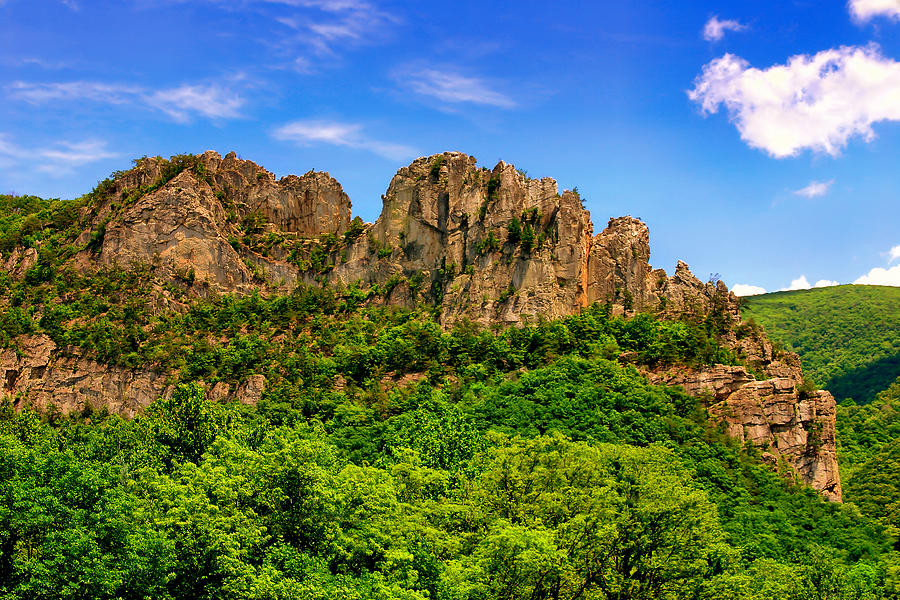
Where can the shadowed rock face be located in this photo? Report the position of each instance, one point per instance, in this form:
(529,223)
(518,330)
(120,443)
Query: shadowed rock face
(486,245)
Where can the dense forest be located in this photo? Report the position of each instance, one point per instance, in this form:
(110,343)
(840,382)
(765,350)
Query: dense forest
(848,336)
(392,459)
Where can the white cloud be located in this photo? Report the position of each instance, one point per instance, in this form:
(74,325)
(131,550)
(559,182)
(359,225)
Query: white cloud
(212,101)
(894,253)
(801,283)
(815,189)
(714,30)
(208,101)
(453,88)
(866,10)
(742,289)
(879,276)
(349,135)
(58,158)
(813,102)
(825,283)
(78,153)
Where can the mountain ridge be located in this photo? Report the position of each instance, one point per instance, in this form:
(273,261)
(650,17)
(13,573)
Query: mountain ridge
(484,246)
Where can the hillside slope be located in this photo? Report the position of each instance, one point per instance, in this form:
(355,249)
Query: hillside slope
(847,336)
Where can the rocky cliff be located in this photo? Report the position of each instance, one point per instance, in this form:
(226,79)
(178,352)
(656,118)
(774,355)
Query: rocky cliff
(484,245)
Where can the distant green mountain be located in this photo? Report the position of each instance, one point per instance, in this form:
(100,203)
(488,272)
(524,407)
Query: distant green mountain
(848,336)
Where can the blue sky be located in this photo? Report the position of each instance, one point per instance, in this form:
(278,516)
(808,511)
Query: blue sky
(758,140)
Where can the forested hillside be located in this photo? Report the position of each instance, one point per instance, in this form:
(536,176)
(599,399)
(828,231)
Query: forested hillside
(316,439)
(848,336)
(467,464)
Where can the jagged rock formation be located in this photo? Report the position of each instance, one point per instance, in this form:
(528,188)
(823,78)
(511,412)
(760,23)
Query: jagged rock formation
(486,245)
(503,247)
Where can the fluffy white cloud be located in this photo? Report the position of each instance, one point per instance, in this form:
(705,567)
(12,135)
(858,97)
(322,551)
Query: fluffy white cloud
(452,87)
(813,102)
(815,189)
(865,10)
(212,101)
(894,253)
(825,283)
(349,135)
(801,283)
(742,289)
(714,30)
(879,276)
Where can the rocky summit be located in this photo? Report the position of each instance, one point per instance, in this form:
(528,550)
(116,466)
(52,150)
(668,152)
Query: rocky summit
(489,246)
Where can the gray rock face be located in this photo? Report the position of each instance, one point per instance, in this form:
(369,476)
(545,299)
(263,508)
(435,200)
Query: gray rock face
(44,379)
(177,229)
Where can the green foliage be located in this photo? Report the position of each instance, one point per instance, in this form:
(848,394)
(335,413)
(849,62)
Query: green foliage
(527,238)
(490,243)
(493,186)
(514,230)
(356,229)
(848,336)
(864,429)
(436,165)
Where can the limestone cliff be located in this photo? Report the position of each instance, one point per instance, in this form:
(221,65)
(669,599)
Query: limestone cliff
(485,245)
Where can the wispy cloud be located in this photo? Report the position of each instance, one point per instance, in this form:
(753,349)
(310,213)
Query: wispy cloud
(866,10)
(321,27)
(58,158)
(452,87)
(33,61)
(210,101)
(334,133)
(715,29)
(815,189)
(813,102)
(182,103)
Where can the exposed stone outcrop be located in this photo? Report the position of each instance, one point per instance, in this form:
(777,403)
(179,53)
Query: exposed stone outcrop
(311,204)
(502,247)
(794,429)
(37,374)
(177,229)
(43,378)
(485,245)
